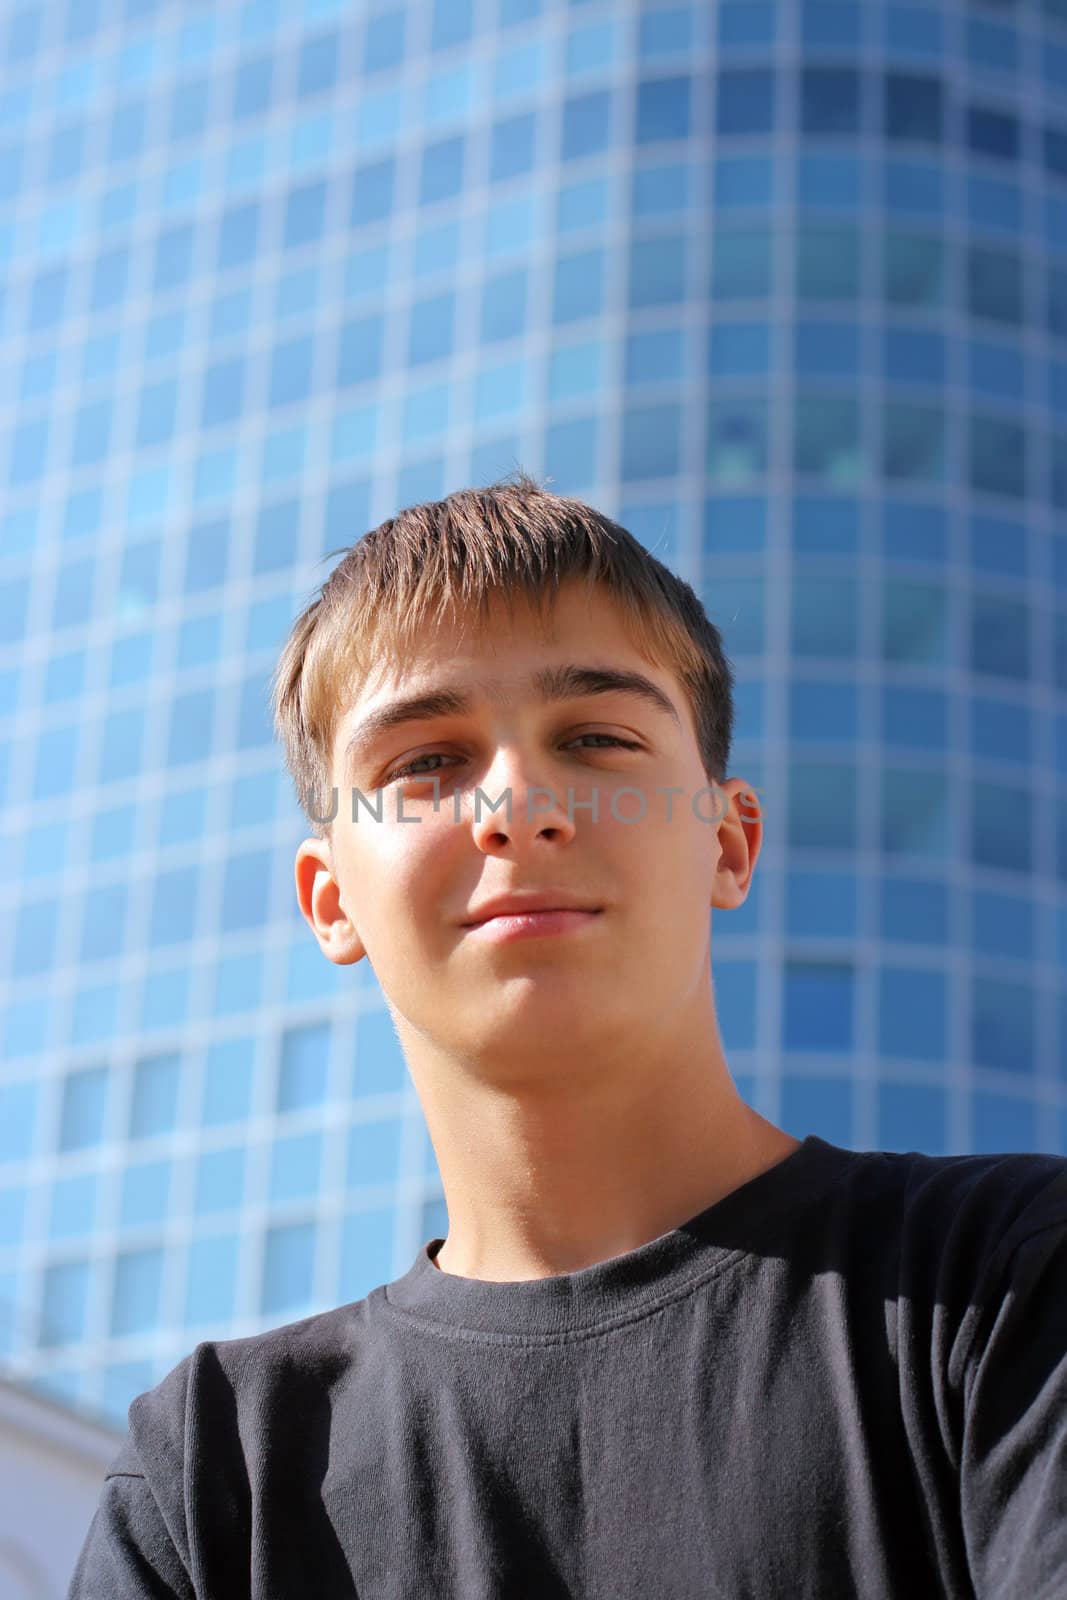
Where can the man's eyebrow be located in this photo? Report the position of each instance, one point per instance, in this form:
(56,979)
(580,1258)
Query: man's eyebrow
(550,684)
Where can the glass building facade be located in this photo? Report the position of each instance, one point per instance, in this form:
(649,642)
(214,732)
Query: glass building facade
(782,287)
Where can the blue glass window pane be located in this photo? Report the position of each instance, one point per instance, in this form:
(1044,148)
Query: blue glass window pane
(1003,925)
(111,271)
(998,456)
(452,23)
(114,833)
(830,24)
(64,677)
(73,1209)
(228,1076)
(441,175)
(651,443)
(827,261)
(586,125)
(83,1109)
(745,101)
(56,763)
(318,64)
(915,810)
(157,412)
(657,272)
(824,611)
(92,433)
(746,23)
(246,891)
(914,107)
(915,910)
(913,355)
(741,263)
(912,1116)
(654,357)
(995,284)
(914,622)
(512,147)
(823,711)
(173,257)
(290,371)
(238,235)
(145,1193)
(571,454)
(64,1303)
(222,393)
(735,523)
(374,1150)
(1001,827)
(174,902)
(822,805)
(1004,1122)
(104,922)
(220,1180)
(182,816)
(154,1103)
(211,1285)
(288,1268)
(735,1003)
(189,109)
(305,214)
(829,100)
(207,556)
(238,984)
(1000,636)
(736,604)
(251,88)
(253,717)
(914,719)
(18,1118)
(29,444)
(296,1168)
(503,310)
(827,349)
(372,193)
(136,1293)
(663,109)
(303,1071)
(817,1006)
(192,718)
(47,298)
(1002,1025)
(737,441)
(912,1012)
(660,190)
(1001,731)
(360,350)
(821,905)
(384,42)
(430,334)
(993,133)
(579,287)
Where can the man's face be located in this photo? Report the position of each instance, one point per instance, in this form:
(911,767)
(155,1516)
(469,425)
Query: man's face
(405,885)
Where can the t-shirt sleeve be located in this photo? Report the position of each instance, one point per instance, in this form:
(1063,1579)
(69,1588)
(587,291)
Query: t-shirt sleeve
(1013,1463)
(137,1547)
(128,1553)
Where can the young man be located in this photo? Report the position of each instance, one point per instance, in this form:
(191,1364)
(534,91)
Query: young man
(666,1348)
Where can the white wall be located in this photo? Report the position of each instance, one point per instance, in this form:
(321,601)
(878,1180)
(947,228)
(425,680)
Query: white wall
(52,1464)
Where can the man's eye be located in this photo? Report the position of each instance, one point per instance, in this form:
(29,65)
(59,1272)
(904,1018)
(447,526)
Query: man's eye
(626,744)
(408,770)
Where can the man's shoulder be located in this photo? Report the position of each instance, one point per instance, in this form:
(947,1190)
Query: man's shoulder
(225,1386)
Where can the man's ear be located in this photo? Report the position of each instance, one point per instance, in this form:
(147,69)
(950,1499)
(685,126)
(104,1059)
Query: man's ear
(740,838)
(319,896)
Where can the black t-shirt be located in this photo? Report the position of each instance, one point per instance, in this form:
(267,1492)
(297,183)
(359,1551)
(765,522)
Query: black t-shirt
(846,1378)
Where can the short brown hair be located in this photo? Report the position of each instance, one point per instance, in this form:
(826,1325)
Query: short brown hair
(443,559)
